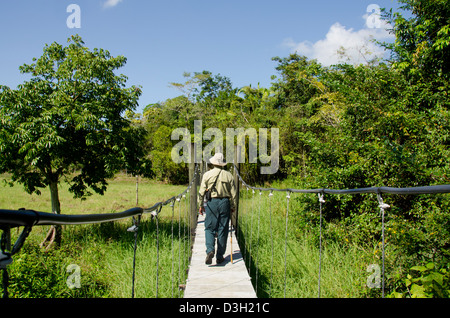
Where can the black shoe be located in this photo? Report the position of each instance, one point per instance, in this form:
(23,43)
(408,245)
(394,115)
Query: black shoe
(220,260)
(209,258)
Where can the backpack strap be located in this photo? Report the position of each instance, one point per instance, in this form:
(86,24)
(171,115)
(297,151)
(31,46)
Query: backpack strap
(214,185)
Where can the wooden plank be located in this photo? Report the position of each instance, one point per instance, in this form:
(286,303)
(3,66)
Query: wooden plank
(225,280)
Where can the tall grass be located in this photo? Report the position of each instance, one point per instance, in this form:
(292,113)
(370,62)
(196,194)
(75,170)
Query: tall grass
(282,264)
(286,264)
(161,262)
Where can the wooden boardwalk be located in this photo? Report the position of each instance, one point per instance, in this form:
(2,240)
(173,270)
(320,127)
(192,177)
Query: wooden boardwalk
(225,280)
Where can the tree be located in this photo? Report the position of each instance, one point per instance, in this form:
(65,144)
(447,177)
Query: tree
(297,83)
(191,84)
(185,104)
(66,123)
(164,167)
(422,47)
(420,54)
(215,91)
(255,98)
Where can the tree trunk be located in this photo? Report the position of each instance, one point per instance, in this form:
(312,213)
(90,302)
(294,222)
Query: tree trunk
(56,208)
(55,232)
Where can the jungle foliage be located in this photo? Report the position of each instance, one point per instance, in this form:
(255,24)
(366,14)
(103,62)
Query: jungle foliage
(383,123)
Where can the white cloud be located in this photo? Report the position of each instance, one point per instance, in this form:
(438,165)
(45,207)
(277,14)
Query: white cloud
(111,3)
(344,45)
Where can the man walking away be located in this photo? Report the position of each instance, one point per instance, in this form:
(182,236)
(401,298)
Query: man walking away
(221,187)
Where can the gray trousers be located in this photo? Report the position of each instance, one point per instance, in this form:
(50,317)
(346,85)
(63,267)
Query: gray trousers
(216,222)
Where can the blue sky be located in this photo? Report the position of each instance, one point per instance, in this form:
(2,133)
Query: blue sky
(163,39)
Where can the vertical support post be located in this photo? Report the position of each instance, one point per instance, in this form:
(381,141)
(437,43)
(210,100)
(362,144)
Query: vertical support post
(7,249)
(7,237)
(204,168)
(137,190)
(201,169)
(234,218)
(193,191)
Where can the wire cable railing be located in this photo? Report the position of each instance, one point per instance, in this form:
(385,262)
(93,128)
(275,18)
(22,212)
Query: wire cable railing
(29,218)
(321,192)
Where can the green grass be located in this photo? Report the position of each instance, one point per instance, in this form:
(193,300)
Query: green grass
(263,224)
(120,195)
(104,251)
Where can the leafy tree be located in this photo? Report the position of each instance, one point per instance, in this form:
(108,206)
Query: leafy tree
(255,98)
(297,82)
(298,97)
(185,105)
(210,87)
(66,123)
(164,167)
(189,87)
(215,92)
(420,54)
(422,46)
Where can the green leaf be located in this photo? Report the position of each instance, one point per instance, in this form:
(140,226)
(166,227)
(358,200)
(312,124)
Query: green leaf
(419,268)
(418,291)
(408,282)
(430,265)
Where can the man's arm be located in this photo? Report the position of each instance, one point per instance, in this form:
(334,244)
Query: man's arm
(201,193)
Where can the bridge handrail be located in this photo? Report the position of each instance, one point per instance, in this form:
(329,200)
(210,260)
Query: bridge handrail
(17,218)
(443,188)
(30,218)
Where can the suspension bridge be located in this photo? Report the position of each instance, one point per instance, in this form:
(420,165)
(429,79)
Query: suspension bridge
(237,276)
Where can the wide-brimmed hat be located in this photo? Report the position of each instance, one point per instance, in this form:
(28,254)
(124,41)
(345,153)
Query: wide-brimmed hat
(217,160)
